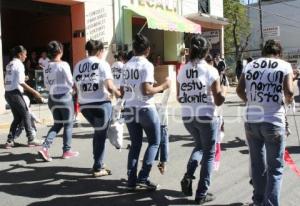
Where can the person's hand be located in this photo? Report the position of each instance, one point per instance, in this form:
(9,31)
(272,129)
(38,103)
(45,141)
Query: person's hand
(167,83)
(224,90)
(296,74)
(38,97)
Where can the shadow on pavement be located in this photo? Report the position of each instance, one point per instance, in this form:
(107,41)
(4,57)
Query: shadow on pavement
(176,138)
(11,157)
(75,186)
(237,142)
(293,149)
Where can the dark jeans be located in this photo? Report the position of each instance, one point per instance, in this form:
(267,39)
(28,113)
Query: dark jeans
(266,145)
(204,132)
(20,112)
(163,151)
(62,110)
(98,115)
(137,121)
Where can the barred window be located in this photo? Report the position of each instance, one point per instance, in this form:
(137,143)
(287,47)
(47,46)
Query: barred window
(203,6)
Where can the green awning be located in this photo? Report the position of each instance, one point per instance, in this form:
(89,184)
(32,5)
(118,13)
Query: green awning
(165,20)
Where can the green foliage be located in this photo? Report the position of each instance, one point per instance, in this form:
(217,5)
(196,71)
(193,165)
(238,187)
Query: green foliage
(236,13)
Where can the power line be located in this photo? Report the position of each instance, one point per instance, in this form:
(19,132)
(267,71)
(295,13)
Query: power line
(274,14)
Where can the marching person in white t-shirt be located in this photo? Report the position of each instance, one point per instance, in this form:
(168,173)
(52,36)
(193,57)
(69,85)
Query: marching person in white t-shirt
(43,60)
(117,68)
(140,113)
(59,82)
(199,93)
(94,83)
(14,88)
(266,85)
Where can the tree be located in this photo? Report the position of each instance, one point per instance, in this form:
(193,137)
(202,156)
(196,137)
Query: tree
(237,33)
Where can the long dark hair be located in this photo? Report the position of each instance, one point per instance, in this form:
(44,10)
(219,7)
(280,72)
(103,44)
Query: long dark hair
(199,47)
(93,46)
(272,48)
(17,50)
(140,44)
(54,48)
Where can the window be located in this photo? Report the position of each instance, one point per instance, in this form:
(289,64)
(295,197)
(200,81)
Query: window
(203,6)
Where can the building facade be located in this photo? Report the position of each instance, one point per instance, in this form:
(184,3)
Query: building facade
(167,23)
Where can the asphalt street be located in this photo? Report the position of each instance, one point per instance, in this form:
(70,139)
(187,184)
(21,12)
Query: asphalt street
(26,180)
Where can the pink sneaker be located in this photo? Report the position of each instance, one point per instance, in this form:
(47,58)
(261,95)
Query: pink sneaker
(44,154)
(69,154)
(9,144)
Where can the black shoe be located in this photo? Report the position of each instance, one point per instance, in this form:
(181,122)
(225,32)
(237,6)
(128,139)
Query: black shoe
(148,185)
(186,185)
(207,198)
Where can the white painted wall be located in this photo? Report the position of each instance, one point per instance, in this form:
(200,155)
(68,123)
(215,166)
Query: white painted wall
(191,7)
(216,8)
(99,23)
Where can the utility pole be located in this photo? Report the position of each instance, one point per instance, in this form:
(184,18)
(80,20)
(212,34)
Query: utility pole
(261,25)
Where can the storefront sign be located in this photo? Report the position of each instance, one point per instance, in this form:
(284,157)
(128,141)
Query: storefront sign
(212,36)
(271,32)
(167,5)
(95,24)
(99,21)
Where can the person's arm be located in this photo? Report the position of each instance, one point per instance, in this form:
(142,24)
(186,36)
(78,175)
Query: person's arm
(241,88)
(149,89)
(218,92)
(288,88)
(35,93)
(109,84)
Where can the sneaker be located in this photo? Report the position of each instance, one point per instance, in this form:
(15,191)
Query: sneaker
(207,198)
(44,154)
(161,167)
(186,185)
(9,144)
(69,154)
(101,172)
(35,142)
(148,185)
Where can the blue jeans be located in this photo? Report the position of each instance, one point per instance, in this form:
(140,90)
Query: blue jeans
(99,116)
(204,132)
(61,106)
(267,145)
(137,120)
(163,151)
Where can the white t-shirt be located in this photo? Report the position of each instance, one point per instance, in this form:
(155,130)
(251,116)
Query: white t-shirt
(117,69)
(58,78)
(90,75)
(15,75)
(195,96)
(136,71)
(44,62)
(264,88)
